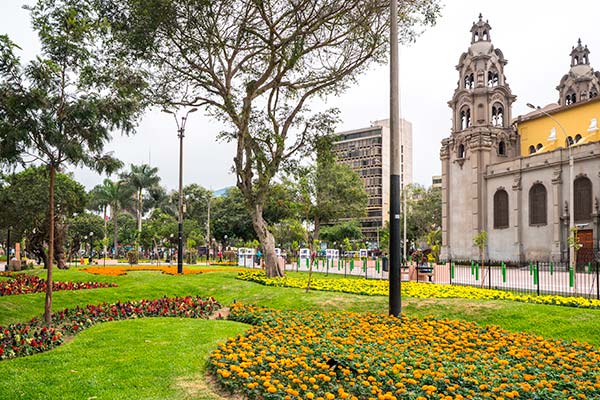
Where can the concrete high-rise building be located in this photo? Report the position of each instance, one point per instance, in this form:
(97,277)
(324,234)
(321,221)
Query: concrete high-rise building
(367,151)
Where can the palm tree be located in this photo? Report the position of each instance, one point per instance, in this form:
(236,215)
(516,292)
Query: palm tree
(117,196)
(140,178)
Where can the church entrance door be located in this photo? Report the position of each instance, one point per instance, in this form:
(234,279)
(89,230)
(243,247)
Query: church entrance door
(586,252)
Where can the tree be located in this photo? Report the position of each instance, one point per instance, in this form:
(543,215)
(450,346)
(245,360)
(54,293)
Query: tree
(141,177)
(24,199)
(256,65)
(61,107)
(350,230)
(229,216)
(117,196)
(480,241)
(290,231)
(424,212)
(331,190)
(80,227)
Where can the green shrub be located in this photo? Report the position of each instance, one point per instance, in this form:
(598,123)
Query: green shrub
(133,257)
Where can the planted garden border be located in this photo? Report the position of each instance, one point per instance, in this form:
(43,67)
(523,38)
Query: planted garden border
(373,287)
(18,340)
(25,284)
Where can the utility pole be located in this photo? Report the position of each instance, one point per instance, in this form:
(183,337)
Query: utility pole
(395,305)
(208,229)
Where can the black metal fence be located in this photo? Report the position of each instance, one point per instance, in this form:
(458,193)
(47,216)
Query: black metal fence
(535,277)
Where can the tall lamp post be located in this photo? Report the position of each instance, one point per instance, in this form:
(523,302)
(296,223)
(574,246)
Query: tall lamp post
(395,305)
(571,181)
(180,135)
(91,247)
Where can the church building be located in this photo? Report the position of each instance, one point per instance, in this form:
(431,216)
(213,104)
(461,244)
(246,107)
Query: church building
(511,176)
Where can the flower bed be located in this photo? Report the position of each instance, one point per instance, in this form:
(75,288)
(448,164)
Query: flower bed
(319,355)
(415,289)
(23,284)
(18,340)
(122,270)
(169,270)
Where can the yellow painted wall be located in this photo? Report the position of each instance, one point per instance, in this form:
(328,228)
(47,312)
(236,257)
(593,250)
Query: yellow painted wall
(574,119)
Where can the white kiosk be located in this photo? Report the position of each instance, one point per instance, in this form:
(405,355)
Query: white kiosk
(277,252)
(304,257)
(246,257)
(363,253)
(330,253)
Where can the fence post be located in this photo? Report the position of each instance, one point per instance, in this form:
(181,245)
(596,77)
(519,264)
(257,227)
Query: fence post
(489,275)
(472,267)
(571,276)
(589,268)
(530,268)
(477,271)
(503,272)
(551,268)
(537,276)
(597,280)
(451,271)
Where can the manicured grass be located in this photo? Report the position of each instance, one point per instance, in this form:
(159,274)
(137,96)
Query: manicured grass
(154,358)
(166,358)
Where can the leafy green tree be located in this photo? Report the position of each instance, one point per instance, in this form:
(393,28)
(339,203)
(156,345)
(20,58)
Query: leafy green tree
(25,208)
(229,216)
(257,65)
(61,108)
(424,212)
(127,232)
(116,195)
(289,231)
(141,178)
(80,227)
(342,230)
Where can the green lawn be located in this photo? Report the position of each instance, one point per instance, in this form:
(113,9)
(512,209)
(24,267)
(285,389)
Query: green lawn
(162,358)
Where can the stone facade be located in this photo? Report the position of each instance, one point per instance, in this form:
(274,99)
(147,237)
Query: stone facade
(487,185)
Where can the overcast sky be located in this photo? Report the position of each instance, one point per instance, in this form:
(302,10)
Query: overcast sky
(535,36)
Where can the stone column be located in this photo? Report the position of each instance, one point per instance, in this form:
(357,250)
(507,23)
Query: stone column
(555,208)
(445,252)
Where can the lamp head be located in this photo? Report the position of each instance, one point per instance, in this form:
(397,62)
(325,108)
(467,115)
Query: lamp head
(531,106)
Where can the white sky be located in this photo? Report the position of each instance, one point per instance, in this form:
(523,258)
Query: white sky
(535,36)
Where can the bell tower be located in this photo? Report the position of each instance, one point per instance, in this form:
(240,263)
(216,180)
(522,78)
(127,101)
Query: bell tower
(581,83)
(481,134)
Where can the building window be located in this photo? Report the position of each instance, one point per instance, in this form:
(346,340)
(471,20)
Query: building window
(500,209)
(583,199)
(538,205)
(492,79)
(469,81)
(461,151)
(497,115)
(465,118)
(571,99)
(569,141)
(501,148)
(577,138)
(531,149)
(539,147)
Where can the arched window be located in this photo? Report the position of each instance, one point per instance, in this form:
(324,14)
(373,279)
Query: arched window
(497,115)
(501,148)
(539,147)
(538,205)
(582,193)
(501,209)
(577,138)
(569,141)
(465,118)
(492,79)
(576,60)
(531,149)
(469,81)
(593,93)
(485,35)
(461,151)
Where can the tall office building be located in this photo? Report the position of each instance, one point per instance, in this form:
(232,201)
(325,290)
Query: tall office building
(367,151)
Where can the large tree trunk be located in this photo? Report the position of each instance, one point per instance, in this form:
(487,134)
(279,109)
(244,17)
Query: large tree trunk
(48,302)
(267,241)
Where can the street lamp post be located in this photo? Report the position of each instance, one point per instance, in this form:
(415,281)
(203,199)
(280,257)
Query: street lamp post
(91,246)
(180,135)
(171,248)
(571,182)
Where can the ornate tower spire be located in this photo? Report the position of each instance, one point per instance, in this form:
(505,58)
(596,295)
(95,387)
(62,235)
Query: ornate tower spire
(579,54)
(581,82)
(480,32)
